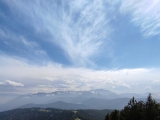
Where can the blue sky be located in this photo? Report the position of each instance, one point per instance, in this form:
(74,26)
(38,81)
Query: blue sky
(79,45)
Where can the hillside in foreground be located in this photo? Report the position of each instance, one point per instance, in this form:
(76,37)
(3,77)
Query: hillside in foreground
(53,114)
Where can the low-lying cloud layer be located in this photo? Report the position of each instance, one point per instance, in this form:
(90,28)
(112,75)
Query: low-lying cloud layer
(55,77)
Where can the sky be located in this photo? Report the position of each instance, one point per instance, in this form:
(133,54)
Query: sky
(79,45)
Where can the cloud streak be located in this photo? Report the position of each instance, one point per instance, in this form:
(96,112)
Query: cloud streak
(145,14)
(11,83)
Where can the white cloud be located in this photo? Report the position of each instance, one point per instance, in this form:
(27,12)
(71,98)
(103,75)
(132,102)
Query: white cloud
(47,78)
(156,81)
(79,27)
(11,83)
(147,88)
(145,14)
(59,77)
(45,86)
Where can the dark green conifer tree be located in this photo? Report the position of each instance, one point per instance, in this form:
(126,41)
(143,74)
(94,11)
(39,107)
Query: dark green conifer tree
(151,108)
(107,117)
(114,115)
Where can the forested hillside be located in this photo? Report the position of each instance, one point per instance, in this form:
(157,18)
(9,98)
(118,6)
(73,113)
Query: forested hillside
(53,114)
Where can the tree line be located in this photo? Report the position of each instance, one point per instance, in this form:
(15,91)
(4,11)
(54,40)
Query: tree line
(137,110)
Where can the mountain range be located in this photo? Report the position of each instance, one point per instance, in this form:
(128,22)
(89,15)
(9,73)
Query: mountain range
(93,99)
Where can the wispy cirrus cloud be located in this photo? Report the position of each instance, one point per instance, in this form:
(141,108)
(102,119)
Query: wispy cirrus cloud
(80,28)
(145,14)
(19,45)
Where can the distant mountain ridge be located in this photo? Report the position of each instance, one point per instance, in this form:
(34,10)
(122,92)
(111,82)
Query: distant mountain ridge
(97,99)
(58,105)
